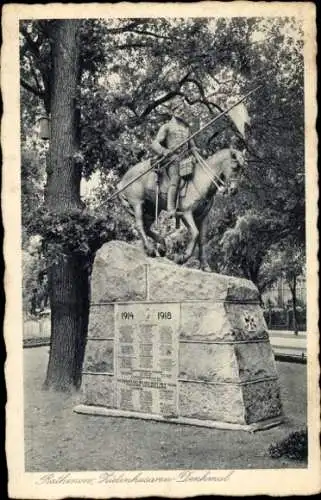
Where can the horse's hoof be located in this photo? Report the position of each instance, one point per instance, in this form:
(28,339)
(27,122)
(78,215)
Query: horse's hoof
(150,251)
(179,259)
(206,268)
(161,249)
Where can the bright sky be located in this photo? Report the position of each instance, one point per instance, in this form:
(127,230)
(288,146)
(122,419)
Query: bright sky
(87,187)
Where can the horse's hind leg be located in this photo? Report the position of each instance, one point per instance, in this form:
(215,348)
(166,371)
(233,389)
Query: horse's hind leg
(148,221)
(140,224)
(188,220)
(202,227)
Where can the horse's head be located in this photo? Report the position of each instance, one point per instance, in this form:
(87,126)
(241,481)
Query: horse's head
(232,170)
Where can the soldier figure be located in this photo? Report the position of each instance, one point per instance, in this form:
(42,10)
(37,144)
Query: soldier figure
(169,136)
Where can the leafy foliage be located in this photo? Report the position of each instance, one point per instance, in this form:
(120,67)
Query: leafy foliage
(246,244)
(294,447)
(286,260)
(32,187)
(78,232)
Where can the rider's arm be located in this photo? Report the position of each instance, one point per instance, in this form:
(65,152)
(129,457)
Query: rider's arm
(159,139)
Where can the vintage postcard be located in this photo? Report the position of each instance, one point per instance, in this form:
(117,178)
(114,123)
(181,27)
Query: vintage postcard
(160,213)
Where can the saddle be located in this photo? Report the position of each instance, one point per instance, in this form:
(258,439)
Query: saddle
(186,171)
(182,187)
(186,167)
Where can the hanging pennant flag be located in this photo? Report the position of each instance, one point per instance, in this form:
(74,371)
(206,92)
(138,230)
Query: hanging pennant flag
(240,117)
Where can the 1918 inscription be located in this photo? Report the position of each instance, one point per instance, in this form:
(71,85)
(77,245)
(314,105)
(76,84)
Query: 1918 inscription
(164,315)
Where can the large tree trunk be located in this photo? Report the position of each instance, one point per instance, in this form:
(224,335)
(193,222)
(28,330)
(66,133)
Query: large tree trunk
(64,175)
(69,276)
(69,286)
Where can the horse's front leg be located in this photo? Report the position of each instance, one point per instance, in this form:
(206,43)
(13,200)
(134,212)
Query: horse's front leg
(148,246)
(148,221)
(202,227)
(188,220)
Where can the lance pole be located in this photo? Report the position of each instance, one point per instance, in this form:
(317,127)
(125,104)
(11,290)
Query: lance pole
(172,151)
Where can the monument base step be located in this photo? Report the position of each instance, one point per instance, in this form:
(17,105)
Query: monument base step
(110,412)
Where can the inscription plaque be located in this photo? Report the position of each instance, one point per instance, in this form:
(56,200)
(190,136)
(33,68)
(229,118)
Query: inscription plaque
(146,358)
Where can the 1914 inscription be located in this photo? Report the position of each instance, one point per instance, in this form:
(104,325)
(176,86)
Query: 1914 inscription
(146,358)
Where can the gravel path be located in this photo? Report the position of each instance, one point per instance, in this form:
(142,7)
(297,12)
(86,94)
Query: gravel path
(57,439)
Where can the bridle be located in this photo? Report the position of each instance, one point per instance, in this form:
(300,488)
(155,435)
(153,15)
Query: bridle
(219,183)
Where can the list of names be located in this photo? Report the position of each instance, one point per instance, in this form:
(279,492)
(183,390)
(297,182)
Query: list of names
(146,358)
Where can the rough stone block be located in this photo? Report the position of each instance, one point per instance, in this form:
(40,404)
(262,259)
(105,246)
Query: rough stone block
(168,282)
(101,321)
(98,390)
(99,356)
(119,274)
(219,321)
(208,362)
(261,401)
(222,402)
(226,362)
(246,321)
(241,404)
(204,321)
(255,361)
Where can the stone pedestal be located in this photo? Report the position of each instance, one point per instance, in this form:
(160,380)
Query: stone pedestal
(175,344)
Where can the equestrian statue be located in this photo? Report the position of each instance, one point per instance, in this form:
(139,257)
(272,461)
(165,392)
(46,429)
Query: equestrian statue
(180,181)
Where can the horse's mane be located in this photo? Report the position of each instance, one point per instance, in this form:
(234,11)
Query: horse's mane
(219,155)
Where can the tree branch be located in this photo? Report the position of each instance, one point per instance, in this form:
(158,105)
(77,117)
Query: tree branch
(132,28)
(153,105)
(123,29)
(156,35)
(43,67)
(30,88)
(33,46)
(125,46)
(165,98)
(34,74)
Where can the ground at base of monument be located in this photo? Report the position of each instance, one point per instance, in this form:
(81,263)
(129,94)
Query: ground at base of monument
(212,424)
(58,439)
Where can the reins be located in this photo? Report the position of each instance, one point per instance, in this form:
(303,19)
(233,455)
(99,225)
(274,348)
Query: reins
(212,176)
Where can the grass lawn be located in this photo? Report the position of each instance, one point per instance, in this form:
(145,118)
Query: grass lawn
(57,439)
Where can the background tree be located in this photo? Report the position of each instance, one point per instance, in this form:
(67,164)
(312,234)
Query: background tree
(285,260)
(246,244)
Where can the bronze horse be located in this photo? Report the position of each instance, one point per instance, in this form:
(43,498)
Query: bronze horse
(223,168)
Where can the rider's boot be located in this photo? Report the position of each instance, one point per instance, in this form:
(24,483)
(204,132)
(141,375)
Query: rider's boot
(171,199)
